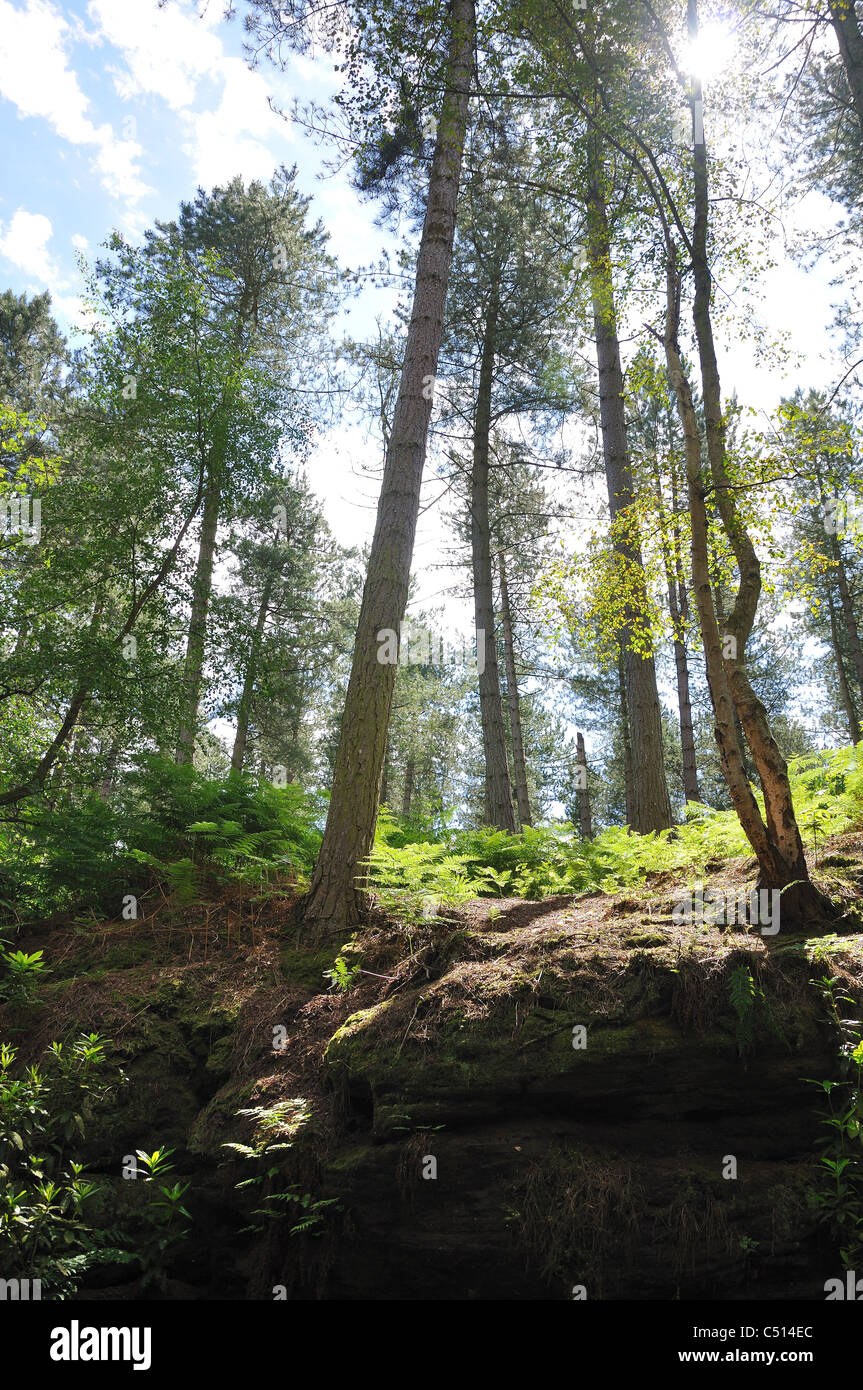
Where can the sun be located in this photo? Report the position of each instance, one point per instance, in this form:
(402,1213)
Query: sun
(711,53)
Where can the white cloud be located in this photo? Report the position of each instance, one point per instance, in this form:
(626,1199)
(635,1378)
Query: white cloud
(72,313)
(35,76)
(80,242)
(171,53)
(25,243)
(116,163)
(233,138)
(167,51)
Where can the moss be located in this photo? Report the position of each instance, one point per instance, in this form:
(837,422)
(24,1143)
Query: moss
(217,1123)
(348,1160)
(305,968)
(645,939)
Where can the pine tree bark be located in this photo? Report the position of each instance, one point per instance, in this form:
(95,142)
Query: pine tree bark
(585,824)
(498,791)
(651,807)
(335,897)
(518,761)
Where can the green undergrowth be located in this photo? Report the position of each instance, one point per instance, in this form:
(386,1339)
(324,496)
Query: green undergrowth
(165,826)
(183,837)
(416,876)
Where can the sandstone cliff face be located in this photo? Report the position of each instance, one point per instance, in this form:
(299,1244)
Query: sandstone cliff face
(552,1097)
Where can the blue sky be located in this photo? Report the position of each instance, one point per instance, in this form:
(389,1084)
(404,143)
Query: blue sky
(112,112)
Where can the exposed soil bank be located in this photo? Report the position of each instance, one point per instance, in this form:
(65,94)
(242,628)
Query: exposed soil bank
(473,1141)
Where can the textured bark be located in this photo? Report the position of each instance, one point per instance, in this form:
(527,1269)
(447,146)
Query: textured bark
(585,824)
(846,26)
(334,899)
(844,687)
(238,753)
(519,766)
(196,641)
(651,807)
(498,791)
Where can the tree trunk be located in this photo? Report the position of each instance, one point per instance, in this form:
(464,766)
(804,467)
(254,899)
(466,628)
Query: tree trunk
(651,807)
(584,822)
(691,789)
(518,762)
(778,845)
(624,734)
(678,607)
(244,709)
(848,614)
(385,777)
(844,688)
(408,790)
(849,617)
(498,791)
(197,638)
(727,742)
(110,768)
(843,17)
(334,900)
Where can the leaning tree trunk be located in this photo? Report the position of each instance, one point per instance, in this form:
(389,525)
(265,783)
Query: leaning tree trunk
(196,642)
(585,825)
(781,860)
(498,791)
(844,687)
(725,731)
(651,807)
(334,900)
(518,763)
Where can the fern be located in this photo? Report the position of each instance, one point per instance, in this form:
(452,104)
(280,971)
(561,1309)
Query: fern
(744,995)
